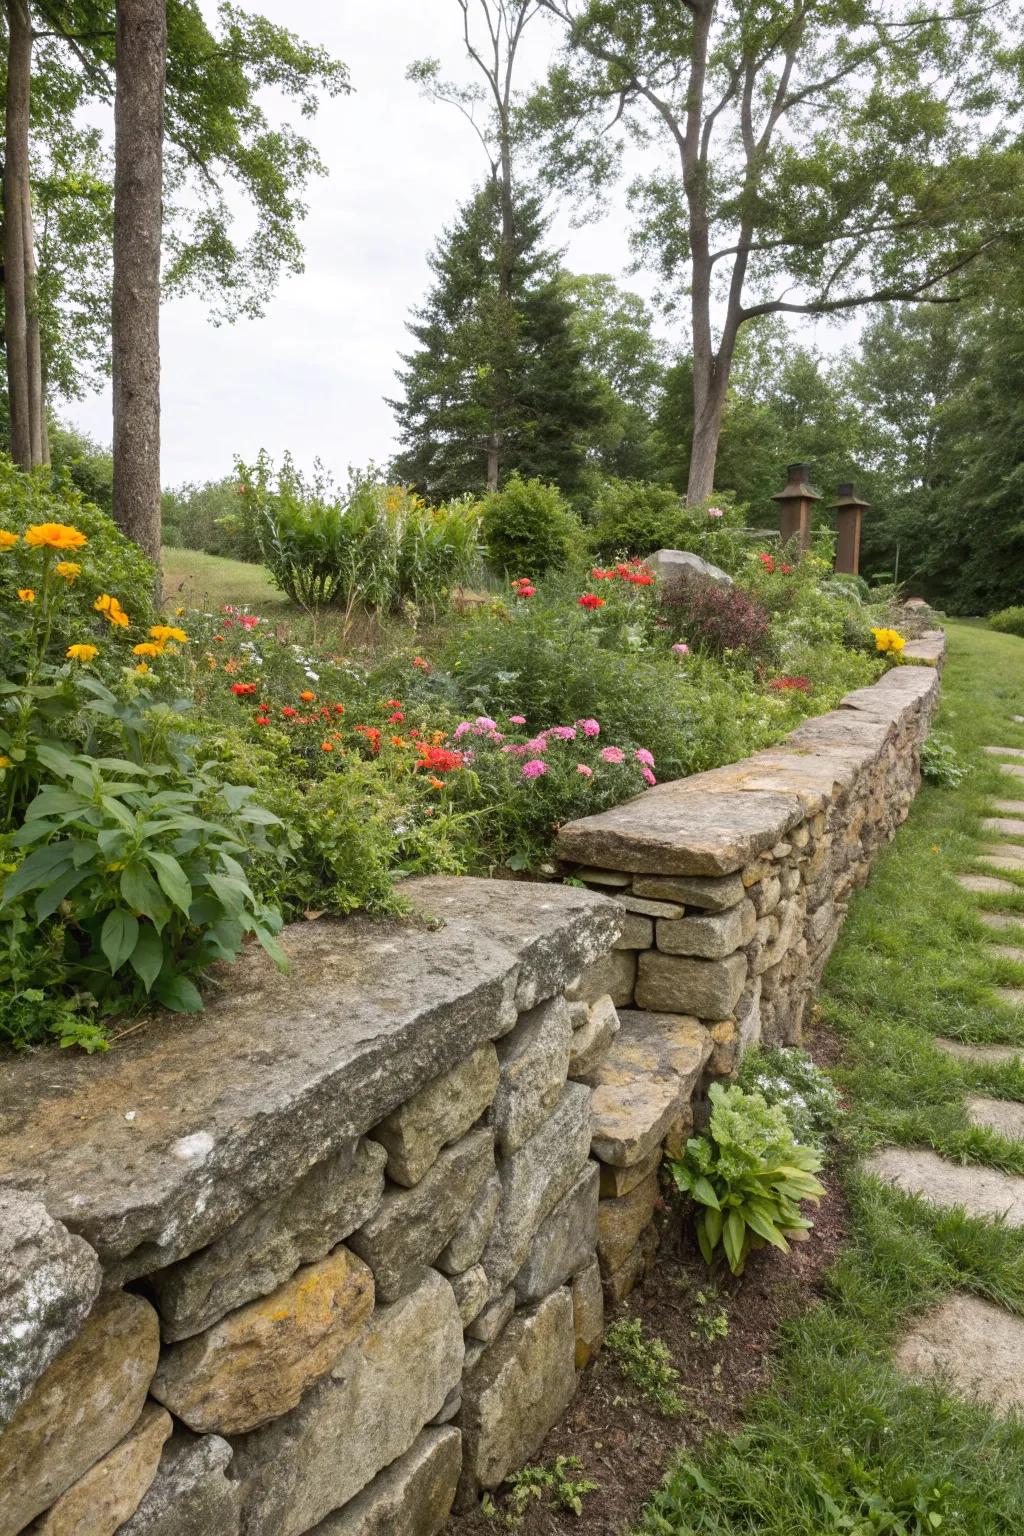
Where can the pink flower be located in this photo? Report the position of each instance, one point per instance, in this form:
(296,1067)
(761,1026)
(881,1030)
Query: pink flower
(563,732)
(516,751)
(538,744)
(643,756)
(612,755)
(486,723)
(469,757)
(495,736)
(715,512)
(517,719)
(534,768)
(649,776)
(588,773)
(461,729)
(682,649)
(589,727)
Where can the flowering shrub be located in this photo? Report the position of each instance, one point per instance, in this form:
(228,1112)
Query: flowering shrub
(720,618)
(804,1091)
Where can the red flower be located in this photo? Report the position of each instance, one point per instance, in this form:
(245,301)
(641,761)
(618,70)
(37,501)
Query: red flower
(591,600)
(787,570)
(241,690)
(418,661)
(787,684)
(307,697)
(339,709)
(396,718)
(523,587)
(438,759)
(289,713)
(600,575)
(393,704)
(767,561)
(327,746)
(639,578)
(262,720)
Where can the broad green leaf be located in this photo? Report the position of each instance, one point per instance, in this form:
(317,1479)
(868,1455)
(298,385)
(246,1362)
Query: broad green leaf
(733,1234)
(42,865)
(143,895)
(53,802)
(50,899)
(118,812)
(147,958)
(173,880)
(272,947)
(759,1223)
(179,994)
(119,936)
(54,759)
(703,1190)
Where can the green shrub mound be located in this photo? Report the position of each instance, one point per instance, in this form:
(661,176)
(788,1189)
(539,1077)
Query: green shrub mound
(1008,621)
(527,528)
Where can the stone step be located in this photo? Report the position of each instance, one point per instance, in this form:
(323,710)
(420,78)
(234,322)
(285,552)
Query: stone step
(1002,861)
(1014,852)
(1009,807)
(1014,769)
(985,1193)
(1011,997)
(985,885)
(973,1346)
(985,1055)
(1006,952)
(1005,751)
(1005,1116)
(1006,826)
(1002,920)
(643,1082)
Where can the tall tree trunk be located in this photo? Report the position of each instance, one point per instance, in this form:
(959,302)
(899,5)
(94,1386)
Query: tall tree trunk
(138,220)
(40,440)
(16,170)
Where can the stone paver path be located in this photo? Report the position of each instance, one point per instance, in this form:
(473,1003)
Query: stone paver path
(1011,997)
(985,885)
(975,1346)
(1006,952)
(1001,919)
(1003,1115)
(1009,807)
(984,1192)
(1006,826)
(984,1055)
(1005,751)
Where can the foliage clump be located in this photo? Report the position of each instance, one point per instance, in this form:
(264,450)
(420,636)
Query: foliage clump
(792,1079)
(646,1363)
(527,528)
(1008,621)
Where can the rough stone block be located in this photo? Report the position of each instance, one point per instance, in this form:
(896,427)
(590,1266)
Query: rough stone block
(534,1180)
(692,890)
(471,1291)
(190,1494)
(358,1420)
(644,1080)
(603,878)
(709,989)
(637,932)
(467,1245)
(643,906)
(81,1406)
(256,1363)
(616,1182)
(520,1388)
(412,1497)
(112,1490)
(709,936)
(492,1321)
(534,1061)
(614,974)
(678,1133)
(48,1283)
(442,1112)
(268,1245)
(621,1223)
(624,1281)
(564,1243)
(724,1059)
(590,1043)
(587,1313)
(766,895)
(411,1226)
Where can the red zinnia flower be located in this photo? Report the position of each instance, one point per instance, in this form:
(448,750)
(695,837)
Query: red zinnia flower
(591,600)
(307,697)
(288,712)
(767,561)
(396,718)
(241,690)
(439,759)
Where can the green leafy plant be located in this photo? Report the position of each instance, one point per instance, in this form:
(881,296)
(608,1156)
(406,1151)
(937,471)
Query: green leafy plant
(636,517)
(646,1363)
(939,761)
(1008,621)
(556,1487)
(527,528)
(710,1319)
(790,1078)
(748,1176)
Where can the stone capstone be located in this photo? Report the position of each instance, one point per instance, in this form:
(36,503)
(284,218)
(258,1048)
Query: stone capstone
(534,1062)
(359,1419)
(519,1389)
(709,989)
(709,936)
(565,1241)
(411,1226)
(640,1085)
(256,1363)
(112,1490)
(412,1497)
(48,1283)
(593,1038)
(534,1180)
(190,1494)
(470,1239)
(80,1408)
(587,1313)
(439,1114)
(269,1244)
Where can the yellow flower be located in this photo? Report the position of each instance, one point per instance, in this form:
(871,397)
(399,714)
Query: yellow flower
(888,640)
(165,632)
(54,536)
(68,569)
(5,761)
(26,595)
(82,653)
(8,540)
(111,610)
(179,613)
(147,648)
(143,666)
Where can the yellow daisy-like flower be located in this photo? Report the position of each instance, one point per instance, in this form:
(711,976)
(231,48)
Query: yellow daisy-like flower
(143,666)
(8,540)
(82,653)
(68,569)
(147,648)
(54,536)
(165,632)
(111,610)
(888,641)
(26,595)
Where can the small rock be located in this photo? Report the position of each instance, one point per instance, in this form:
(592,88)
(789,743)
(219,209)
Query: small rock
(534,1061)
(470,1239)
(439,1114)
(724,1059)
(112,1490)
(621,1223)
(713,895)
(494,1318)
(643,906)
(411,1226)
(616,1182)
(637,932)
(676,568)
(256,1363)
(412,1497)
(766,894)
(450,1407)
(471,1290)
(591,1042)
(564,1243)
(605,877)
(587,1313)
(614,974)
(190,1494)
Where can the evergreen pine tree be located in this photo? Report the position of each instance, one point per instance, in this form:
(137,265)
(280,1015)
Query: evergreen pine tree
(496,384)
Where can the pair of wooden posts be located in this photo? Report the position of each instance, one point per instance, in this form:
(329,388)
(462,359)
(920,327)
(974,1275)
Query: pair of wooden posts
(796,502)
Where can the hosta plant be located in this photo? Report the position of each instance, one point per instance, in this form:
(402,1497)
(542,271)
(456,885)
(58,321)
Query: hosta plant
(748,1176)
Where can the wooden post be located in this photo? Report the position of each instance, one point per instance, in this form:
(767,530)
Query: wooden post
(796,501)
(849,510)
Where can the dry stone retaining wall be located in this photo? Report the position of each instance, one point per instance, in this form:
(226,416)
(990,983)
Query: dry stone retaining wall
(330,1257)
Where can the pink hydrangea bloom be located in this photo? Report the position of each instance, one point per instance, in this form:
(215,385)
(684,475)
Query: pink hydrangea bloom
(682,649)
(461,729)
(643,756)
(649,776)
(563,732)
(588,773)
(534,768)
(517,719)
(612,755)
(589,727)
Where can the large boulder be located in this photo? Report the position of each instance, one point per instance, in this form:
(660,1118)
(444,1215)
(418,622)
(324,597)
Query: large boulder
(412,1497)
(675,567)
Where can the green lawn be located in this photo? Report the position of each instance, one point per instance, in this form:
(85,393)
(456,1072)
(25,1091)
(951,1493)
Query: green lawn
(840,1427)
(193,579)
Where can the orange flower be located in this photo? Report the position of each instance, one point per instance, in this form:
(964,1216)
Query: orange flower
(164,632)
(26,595)
(435,783)
(327,746)
(8,540)
(307,697)
(83,653)
(147,648)
(68,569)
(111,610)
(143,666)
(54,536)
